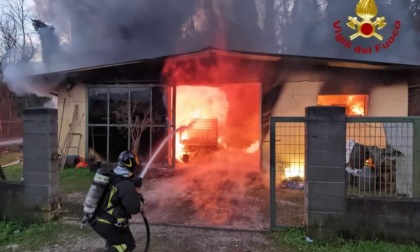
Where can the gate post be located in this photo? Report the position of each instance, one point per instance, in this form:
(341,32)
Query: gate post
(40,167)
(325,171)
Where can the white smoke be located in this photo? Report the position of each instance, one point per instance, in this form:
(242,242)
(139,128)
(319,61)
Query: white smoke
(53,103)
(19,78)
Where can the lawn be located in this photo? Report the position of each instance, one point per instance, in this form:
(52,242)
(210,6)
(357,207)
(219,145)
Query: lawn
(16,237)
(75,180)
(71,180)
(294,240)
(14,172)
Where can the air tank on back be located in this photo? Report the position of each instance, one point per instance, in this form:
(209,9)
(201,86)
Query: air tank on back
(97,188)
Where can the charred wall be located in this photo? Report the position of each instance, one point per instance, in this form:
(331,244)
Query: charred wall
(414,93)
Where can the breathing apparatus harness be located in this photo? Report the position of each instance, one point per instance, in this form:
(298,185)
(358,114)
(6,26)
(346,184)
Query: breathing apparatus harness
(93,206)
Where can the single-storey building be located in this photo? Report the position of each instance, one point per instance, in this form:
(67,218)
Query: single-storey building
(249,87)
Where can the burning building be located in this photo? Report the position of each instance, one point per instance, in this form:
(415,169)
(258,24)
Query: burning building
(132,90)
(227,98)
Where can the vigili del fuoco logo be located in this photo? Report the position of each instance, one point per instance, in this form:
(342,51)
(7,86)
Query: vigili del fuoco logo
(365,26)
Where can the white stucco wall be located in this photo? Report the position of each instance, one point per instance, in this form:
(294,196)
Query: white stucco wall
(67,100)
(390,100)
(386,100)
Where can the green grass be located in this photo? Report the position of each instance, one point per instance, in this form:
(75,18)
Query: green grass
(14,172)
(36,236)
(71,180)
(75,180)
(294,240)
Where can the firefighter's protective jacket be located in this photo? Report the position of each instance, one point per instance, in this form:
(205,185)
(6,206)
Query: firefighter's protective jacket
(121,201)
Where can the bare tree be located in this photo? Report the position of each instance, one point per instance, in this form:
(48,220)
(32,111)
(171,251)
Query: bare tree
(138,116)
(16,34)
(16,45)
(8,37)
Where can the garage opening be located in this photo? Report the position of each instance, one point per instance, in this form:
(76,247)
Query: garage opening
(218,157)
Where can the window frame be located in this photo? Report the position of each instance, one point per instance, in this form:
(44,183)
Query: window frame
(108,125)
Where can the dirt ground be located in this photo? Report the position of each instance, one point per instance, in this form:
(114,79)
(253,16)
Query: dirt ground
(178,239)
(201,196)
(195,208)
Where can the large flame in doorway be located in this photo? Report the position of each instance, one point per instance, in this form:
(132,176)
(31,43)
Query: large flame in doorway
(215,183)
(198,102)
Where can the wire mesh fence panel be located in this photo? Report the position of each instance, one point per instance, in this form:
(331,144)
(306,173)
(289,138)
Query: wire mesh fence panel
(289,153)
(379,158)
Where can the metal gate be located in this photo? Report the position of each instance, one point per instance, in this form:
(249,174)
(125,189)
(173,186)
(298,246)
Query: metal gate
(287,171)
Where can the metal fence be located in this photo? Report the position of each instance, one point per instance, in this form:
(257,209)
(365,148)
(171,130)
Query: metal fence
(287,173)
(380,160)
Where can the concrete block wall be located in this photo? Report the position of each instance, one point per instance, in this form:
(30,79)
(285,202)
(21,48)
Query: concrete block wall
(396,220)
(325,195)
(40,165)
(328,211)
(11,195)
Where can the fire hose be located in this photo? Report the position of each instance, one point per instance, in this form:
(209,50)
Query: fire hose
(146,224)
(144,172)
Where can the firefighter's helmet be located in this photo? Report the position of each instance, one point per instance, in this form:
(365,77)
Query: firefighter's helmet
(128,160)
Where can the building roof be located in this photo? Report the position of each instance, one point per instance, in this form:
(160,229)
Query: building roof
(208,52)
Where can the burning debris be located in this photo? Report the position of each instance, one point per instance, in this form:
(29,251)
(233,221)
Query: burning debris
(296,183)
(222,193)
(207,113)
(372,168)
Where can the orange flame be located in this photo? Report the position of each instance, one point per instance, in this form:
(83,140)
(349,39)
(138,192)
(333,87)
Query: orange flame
(218,178)
(198,102)
(355,104)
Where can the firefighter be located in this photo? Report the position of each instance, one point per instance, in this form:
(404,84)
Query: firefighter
(120,202)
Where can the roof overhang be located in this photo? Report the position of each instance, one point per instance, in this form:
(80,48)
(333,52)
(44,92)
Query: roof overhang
(214,52)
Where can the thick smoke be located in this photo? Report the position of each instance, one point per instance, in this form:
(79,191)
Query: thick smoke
(105,32)
(19,76)
(95,32)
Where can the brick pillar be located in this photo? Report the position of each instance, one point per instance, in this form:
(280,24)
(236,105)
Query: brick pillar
(325,171)
(40,166)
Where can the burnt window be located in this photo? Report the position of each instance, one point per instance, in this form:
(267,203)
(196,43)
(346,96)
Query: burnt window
(356,105)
